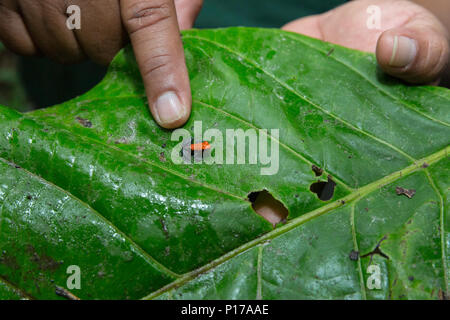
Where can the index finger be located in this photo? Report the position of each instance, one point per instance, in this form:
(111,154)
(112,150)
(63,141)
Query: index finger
(153,29)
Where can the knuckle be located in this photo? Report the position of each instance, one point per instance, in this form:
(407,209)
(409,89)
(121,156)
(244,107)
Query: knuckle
(146,14)
(437,57)
(155,65)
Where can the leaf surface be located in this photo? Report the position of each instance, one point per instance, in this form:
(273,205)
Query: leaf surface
(97,188)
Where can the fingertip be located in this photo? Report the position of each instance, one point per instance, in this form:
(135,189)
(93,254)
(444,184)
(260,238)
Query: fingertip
(384,49)
(155,36)
(169,111)
(396,51)
(416,55)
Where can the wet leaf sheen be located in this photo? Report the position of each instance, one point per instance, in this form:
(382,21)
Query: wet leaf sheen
(91,183)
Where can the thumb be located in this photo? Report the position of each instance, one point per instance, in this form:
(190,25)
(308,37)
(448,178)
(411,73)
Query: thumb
(155,36)
(187,12)
(417,52)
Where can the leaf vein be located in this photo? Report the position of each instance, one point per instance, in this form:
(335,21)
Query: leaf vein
(107,146)
(407,105)
(309,101)
(286,147)
(442,229)
(145,254)
(356,248)
(355,196)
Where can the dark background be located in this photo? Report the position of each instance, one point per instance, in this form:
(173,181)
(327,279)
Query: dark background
(29,83)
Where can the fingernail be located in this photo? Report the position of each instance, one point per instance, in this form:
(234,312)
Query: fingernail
(168,108)
(404,51)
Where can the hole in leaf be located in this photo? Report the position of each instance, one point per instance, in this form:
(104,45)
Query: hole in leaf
(268,207)
(324,190)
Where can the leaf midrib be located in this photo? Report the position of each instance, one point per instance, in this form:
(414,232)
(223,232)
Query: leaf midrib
(294,223)
(354,197)
(442,226)
(17,290)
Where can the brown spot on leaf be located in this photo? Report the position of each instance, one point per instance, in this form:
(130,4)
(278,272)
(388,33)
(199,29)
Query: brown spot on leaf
(43,261)
(354,255)
(164,228)
(84,122)
(407,192)
(9,261)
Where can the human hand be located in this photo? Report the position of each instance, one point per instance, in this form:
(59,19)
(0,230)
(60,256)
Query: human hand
(412,44)
(423,60)
(30,27)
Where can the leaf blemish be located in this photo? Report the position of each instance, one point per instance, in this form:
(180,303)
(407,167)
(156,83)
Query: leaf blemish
(318,171)
(84,122)
(268,207)
(324,190)
(354,255)
(407,192)
(164,228)
(43,261)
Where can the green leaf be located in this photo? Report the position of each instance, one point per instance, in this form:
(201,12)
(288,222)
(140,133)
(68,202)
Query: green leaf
(97,188)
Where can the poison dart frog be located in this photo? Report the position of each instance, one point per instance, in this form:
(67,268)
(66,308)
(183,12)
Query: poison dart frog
(200,146)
